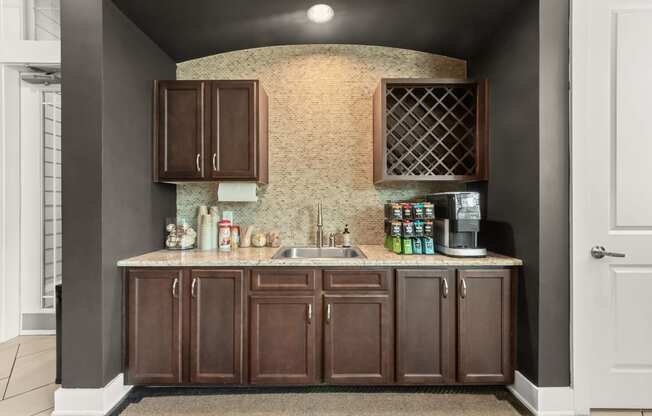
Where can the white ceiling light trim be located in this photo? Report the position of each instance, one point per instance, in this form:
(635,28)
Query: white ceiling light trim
(320,13)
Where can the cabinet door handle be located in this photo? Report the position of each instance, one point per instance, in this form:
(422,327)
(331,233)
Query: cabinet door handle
(445,287)
(215,162)
(193,287)
(175,284)
(463,291)
(328,313)
(310,313)
(197,162)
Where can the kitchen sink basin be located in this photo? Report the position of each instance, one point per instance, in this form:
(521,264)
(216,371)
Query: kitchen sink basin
(319,253)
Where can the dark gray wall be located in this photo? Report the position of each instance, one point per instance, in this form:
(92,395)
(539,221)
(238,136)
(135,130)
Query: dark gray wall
(527,193)
(554,174)
(81,100)
(112,209)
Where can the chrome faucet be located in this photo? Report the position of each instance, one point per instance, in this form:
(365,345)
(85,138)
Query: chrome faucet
(320,227)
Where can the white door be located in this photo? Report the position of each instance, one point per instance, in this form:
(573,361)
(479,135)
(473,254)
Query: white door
(612,203)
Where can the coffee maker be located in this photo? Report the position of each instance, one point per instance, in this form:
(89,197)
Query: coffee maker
(457,223)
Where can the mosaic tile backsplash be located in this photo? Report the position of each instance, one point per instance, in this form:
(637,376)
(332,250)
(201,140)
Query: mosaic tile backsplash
(320,136)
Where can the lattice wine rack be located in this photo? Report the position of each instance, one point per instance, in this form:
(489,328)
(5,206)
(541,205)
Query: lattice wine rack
(430,130)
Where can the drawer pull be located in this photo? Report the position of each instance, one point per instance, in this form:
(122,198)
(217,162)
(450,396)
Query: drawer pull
(328,313)
(215,162)
(445,287)
(175,284)
(463,291)
(193,287)
(197,162)
(310,313)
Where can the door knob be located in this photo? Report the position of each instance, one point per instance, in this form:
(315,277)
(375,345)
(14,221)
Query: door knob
(599,252)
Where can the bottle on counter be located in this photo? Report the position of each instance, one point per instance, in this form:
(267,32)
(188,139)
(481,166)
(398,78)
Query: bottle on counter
(346,237)
(225,235)
(235,237)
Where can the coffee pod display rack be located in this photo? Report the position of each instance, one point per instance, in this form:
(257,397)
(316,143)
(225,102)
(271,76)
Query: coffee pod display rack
(409,227)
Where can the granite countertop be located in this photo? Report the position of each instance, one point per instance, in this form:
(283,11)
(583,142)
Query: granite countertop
(262,257)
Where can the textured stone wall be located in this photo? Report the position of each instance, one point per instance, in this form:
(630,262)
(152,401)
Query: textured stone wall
(320,127)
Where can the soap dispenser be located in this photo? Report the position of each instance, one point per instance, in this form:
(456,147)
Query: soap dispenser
(346,236)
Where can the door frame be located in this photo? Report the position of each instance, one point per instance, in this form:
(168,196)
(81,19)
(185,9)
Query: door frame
(9,202)
(581,289)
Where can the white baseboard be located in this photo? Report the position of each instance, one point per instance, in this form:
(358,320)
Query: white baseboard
(543,401)
(38,332)
(90,402)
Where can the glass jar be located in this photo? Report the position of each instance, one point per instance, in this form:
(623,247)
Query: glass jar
(179,234)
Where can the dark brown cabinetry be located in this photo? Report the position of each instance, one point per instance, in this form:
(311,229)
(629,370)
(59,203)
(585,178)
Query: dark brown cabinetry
(181,129)
(425,326)
(485,310)
(302,326)
(357,339)
(216,326)
(155,301)
(184,326)
(282,339)
(430,130)
(210,131)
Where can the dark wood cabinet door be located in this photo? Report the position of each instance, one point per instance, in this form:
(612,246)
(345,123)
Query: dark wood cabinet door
(181,128)
(485,327)
(357,339)
(425,326)
(233,131)
(282,340)
(154,320)
(216,325)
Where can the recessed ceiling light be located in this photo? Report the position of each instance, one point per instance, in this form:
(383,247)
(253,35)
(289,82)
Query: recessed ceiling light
(320,13)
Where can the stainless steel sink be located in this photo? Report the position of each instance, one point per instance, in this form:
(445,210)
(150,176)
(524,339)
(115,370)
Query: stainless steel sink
(319,253)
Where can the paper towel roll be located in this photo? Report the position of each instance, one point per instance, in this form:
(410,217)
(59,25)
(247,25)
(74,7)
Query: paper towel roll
(237,192)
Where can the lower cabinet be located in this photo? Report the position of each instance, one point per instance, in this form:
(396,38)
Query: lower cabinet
(455,327)
(155,301)
(184,326)
(425,326)
(357,339)
(282,340)
(485,327)
(216,326)
(303,326)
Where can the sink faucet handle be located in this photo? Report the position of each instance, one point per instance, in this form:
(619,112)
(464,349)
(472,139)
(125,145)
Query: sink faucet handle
(331,240)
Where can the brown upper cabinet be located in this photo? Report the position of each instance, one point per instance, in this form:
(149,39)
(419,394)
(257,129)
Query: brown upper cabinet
(210,131)
(430,130)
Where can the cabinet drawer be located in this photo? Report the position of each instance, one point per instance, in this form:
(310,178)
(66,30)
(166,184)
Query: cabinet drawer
(283,279)
(377,279)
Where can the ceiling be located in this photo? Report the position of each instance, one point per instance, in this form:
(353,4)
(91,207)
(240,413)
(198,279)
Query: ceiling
(192,29)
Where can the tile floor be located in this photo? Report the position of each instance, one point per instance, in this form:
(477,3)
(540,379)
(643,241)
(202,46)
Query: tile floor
(27,371)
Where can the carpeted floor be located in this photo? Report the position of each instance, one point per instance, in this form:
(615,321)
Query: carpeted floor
(345,403)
